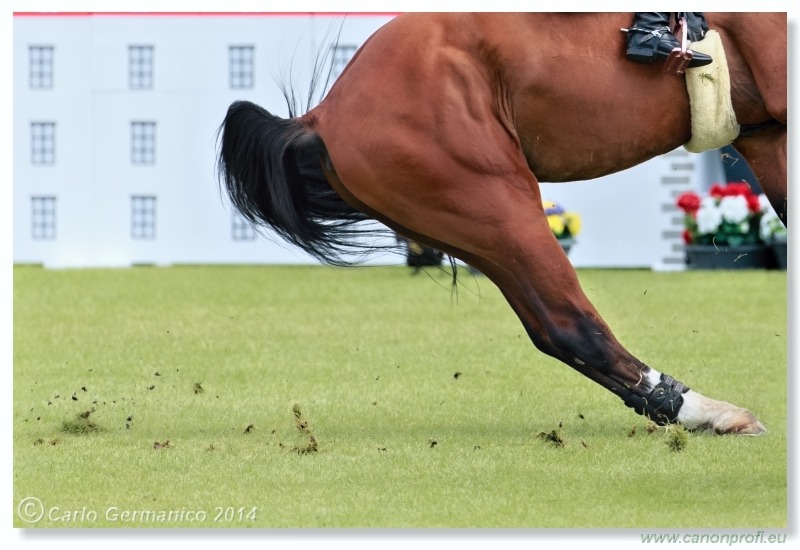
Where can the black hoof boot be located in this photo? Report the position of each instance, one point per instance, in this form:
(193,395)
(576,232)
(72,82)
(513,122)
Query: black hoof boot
(650,40)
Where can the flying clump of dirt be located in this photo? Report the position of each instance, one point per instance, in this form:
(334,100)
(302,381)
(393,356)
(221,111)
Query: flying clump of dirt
(554,438)
(304,427)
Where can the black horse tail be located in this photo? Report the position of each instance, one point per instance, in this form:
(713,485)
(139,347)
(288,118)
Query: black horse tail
(272,170)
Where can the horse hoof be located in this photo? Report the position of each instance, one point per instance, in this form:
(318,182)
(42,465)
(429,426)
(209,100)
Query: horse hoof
(701,413)
(746,424)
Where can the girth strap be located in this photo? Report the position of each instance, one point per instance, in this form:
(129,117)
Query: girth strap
(662,404)
(749,130)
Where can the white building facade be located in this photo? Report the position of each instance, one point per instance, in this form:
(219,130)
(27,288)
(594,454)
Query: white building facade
(115,121)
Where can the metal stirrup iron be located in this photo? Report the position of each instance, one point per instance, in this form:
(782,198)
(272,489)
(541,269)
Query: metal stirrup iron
(680,57)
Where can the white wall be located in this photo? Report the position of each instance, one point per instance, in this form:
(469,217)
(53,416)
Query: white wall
(629,219)
(626,216)
(92,106)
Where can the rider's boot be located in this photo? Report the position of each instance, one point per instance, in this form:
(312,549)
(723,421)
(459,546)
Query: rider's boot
(650,40)
(695,23)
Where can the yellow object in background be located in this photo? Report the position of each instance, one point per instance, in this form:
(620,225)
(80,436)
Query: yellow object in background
(565,225)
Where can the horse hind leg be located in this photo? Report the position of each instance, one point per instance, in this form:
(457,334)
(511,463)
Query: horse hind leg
(487,211)
(653,394)
(502,231)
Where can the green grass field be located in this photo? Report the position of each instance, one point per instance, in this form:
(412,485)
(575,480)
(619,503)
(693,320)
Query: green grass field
(161,397)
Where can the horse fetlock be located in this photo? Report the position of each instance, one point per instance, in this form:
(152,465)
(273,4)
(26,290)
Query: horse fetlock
(662,404)
(700,413)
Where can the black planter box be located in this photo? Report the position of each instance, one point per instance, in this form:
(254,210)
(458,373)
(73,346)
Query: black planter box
(779,251)
(748,256)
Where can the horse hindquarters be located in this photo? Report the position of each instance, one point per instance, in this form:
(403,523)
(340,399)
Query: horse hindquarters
(439,160)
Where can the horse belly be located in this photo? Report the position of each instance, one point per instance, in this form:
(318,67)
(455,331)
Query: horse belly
(576,159)
(577,131)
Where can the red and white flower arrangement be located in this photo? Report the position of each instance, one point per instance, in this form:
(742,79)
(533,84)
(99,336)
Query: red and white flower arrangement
(730,215)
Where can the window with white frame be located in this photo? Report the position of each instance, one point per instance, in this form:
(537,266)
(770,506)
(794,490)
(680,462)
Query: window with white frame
(241,229)
(240,63)
(43,218)
(342,54)
(140,67)
(40,67)
(143,217)
(43,143)
(143,142)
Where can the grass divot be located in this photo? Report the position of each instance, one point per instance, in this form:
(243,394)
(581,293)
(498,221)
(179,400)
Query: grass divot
(158,445)
(676,437)
(80,425)
(304,427)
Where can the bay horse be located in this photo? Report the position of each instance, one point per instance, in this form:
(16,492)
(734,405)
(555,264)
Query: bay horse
(442,126)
